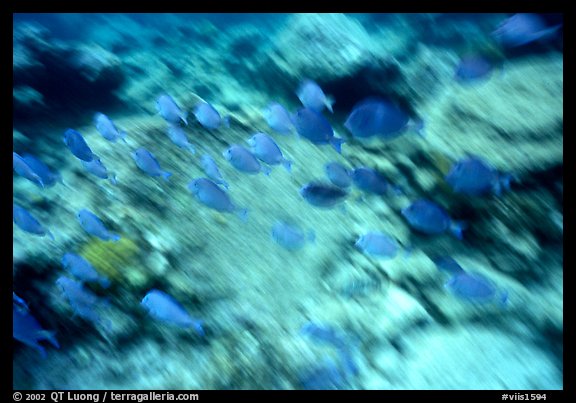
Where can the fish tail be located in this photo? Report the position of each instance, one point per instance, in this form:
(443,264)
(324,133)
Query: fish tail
(123,135)
(113,179)
(226,121)
(50,235)
(224,184)
(311,236)
(242,213)
(192,149)
(266,170)
(184,118)
(166,175)
(287,165)
(197,325)
(457,228)
(114,237)
(418,127)
(337,144)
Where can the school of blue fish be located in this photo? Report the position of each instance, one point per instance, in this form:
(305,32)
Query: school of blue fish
(373,118)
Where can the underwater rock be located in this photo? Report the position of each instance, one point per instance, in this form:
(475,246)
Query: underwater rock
(475,358)
(515,119)
(321,46)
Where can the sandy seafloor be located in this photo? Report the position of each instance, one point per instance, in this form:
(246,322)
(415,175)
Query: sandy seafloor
(402,328)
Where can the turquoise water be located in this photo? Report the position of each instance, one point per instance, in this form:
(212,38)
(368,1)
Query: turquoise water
(248,306)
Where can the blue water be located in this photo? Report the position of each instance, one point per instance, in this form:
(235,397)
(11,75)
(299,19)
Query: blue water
(237,295)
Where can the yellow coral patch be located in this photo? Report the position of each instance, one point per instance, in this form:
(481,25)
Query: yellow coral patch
(110,258)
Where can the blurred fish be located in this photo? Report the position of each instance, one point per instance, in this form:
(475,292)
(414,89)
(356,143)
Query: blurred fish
(178,137)
(344,345)
(209,117)
(338,174)
(165,308)
(379,117)
(289,236)
(27,330)
(312,96)
(429,218)
(26,222)
(84,303)
(323,376)
(19,302)
(83,270)
(211,170)
(107,129)
(49,178)
(473,176)
(211,195)
(243,160)
(313,126)
(278,118)
(77,145)
(475,287)
(378,244)
(146,161)
(23,169)
(473,67)
(523,28)
(266,150)
(322,195)
(169,110)
(369,180)
(97,168)
(448,265)
(94,226)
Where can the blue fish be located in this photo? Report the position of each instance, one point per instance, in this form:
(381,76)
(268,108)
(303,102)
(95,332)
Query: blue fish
(266,150)
(429,218)
(209,117)
(211,170)
(476,288)
(178,137)
(378,117)
(313,126)
(369,180)
(83,270)
(312,96)
(97,168)
(146,161)
(107,128)
(523,28)
(278,118)
(378,245)
(84,303)
(243,160)
(472,68)
(323,376)
(342,343)
(289,236)
(169,110)
(338,174)
(49,178)
(26,328)
(23,169)
(473,176)
(26,222)
(211,195)
(322,195)
(94,226)
(77,145)
(448,265)
(165,308)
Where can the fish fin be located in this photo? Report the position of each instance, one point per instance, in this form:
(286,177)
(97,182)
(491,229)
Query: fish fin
(287,165)
(192,149)
(114,237)
(329,101)
(311,236)
(266,170)
(457,228)
(242,213)
(50,336)
(41,350)
(104,282)
(226,121)
(123,135)
(337,144)
(50,235)
(197,325)
(166,175)
(224,184)
(184,118)
(113,180)
(503,299)
(503,184)
(417,126)
(546,33)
